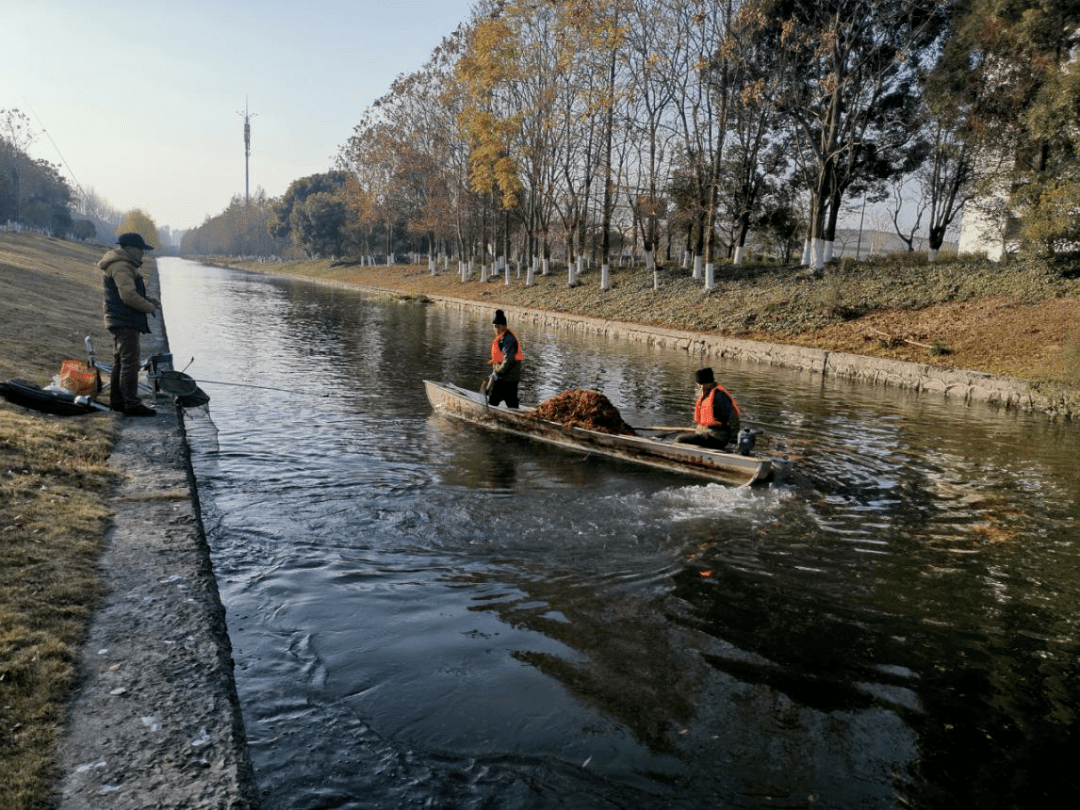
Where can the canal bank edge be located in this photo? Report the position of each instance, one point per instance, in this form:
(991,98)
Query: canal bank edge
(968,386)
(155,720)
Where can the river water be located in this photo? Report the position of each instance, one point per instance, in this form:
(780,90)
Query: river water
(424,614)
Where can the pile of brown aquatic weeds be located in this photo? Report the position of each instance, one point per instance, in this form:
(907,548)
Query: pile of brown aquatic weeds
(584,409)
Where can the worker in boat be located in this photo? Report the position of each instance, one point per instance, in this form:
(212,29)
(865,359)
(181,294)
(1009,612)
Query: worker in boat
(126,308)
(716,416)
(505,362)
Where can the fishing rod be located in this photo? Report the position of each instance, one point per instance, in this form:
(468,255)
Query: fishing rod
(181,384)
(263,387)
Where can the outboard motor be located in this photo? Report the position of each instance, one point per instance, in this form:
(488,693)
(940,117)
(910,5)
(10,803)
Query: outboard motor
(746,441)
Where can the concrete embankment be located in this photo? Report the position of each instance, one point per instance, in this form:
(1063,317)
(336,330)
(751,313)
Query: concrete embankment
(967,386)
(155,721)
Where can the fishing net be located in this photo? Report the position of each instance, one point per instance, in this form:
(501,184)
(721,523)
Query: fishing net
(184,388)
(585,409)
(176,383)
(194,400)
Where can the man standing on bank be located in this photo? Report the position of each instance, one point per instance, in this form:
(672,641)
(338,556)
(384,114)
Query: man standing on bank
(716,416)
(505,362)
(126,308)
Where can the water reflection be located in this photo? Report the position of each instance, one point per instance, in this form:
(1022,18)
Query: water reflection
(425,613)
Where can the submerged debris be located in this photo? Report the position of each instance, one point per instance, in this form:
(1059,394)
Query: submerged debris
(584,409)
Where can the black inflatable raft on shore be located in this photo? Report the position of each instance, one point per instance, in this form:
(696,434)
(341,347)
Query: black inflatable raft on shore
(48,400)
(65,403)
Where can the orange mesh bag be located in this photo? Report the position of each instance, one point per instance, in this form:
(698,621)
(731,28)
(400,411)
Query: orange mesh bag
(80,378)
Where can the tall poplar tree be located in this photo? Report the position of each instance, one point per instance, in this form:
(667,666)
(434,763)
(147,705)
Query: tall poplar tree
(848,85)
(488,120)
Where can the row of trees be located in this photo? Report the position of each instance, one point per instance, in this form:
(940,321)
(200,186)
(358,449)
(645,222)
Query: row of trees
(699,129)
(33,194)
(242,229)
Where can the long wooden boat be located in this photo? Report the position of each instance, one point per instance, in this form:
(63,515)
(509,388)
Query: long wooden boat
(730,468)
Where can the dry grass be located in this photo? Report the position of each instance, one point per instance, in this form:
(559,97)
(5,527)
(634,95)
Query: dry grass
(1070,360)
(54,484)
(51,294)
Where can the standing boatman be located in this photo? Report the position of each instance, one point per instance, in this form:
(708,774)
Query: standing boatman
(505,362)
(716,416)
(126,307)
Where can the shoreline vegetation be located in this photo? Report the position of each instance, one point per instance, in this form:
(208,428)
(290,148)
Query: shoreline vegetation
(1019,319)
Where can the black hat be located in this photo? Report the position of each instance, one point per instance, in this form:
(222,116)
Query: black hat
(134,240)
(499,319)
(703,376)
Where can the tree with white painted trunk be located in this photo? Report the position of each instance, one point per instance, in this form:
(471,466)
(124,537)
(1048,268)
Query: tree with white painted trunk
(489,120)
(652,103)
(597,29)
(848,72)
(694,74)
(755,162)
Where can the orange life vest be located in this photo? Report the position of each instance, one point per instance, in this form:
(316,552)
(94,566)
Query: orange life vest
(496,352)
(705,410)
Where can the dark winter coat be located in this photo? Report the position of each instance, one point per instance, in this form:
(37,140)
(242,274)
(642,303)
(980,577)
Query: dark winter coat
(126,303)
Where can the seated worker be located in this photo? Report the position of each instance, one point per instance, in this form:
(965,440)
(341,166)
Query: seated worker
(505,362)
(716,416)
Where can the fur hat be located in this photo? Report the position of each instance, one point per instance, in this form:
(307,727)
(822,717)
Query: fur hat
(703,376)
(499,319)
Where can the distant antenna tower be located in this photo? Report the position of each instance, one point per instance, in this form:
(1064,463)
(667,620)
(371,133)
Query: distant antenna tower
(247,146)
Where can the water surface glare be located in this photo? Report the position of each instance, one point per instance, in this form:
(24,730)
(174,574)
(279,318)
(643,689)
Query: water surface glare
(426,614)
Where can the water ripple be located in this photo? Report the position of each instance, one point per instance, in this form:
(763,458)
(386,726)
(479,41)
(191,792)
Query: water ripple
(423,613)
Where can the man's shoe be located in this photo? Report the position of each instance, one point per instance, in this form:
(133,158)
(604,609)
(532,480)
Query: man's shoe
(139,410)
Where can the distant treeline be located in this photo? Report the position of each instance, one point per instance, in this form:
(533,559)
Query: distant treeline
(35,196)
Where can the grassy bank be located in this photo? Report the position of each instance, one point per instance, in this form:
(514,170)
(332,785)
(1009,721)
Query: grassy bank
(54,484)
(1019,319)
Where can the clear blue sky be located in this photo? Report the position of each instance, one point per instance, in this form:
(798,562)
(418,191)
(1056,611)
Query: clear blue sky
(143,101)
